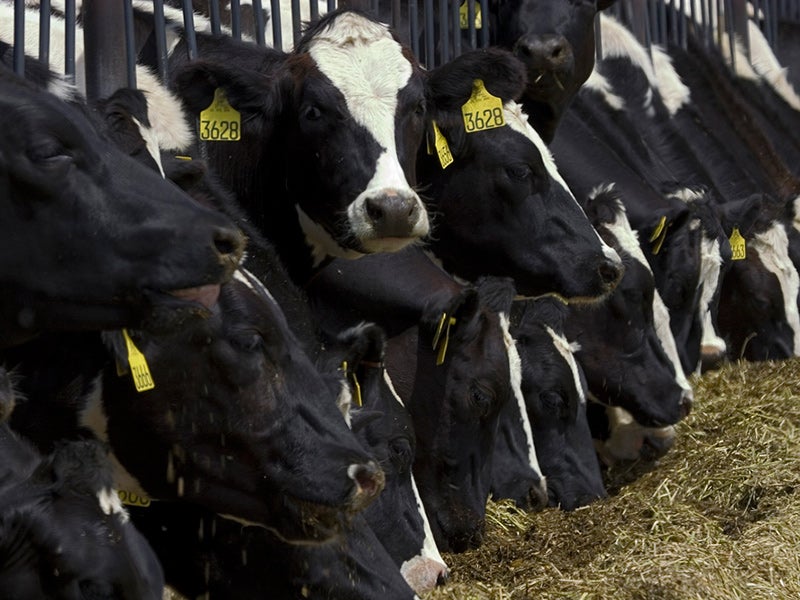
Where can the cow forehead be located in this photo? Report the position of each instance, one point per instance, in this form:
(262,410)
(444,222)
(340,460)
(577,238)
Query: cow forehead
(365,63)
(567,352)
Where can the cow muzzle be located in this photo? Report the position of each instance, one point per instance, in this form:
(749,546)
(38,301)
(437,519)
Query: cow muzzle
(369,480)
(546,54)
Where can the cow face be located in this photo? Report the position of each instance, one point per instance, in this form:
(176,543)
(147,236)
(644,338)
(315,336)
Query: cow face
(107,243)
(455,407)
(553,386)
(620,349)
(555,40)
(758,303)
(241,422)
(505,209)
(63,528)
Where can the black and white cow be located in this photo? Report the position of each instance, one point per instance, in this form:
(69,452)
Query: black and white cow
(63,531)
(109,243)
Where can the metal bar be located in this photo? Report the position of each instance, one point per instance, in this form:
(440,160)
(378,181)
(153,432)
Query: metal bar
(740,19)
(313,6)
(652,30)
(598,41)
(730,27)
(331,5)
(236,20)
(275,17)
(161,38)
(44,31)
(213,15)
(19,37)
(103,28)
(188,28)
(295,4)
(484,23)
(413,26)
(130,44)
(672,25)
(444,33)
(683,25)
(455,21)
(662,23)
(473,36)
(258,9)
(69,40)
(639,22)
(429,41)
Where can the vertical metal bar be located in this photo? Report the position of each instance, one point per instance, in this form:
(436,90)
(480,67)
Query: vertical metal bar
(19,37)
(161,38)
(130,44)
(397,13)
(213,15)
(473,36)
(740,24)
(236,20)
(295,21)
(484,23)
(662,22)
(672,25)
(774,21)
(683,26)
(598,41)
(188,28)
(69,40)
(258,9)
(455,20)
(44,31)
(429,41)
(275,17)
(730,26)
(313,6)
(413,26)
(103,28)
(331,5)
(652,30)
(444,32)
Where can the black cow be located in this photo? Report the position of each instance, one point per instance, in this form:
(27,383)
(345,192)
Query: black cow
(63,531)
(151,255)
(8,396)
(503,208)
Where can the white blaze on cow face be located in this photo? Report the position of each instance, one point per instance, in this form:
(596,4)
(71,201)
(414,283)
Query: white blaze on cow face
(110,504)
(710,267)
(567,351)
(517,120)
(366,64)
(515,370)
(772,246)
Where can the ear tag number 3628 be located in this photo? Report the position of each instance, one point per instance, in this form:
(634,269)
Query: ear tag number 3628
(482,110)
(220,122)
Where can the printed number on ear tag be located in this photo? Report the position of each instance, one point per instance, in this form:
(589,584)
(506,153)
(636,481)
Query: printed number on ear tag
(738,245)
(220,122)
(442,149)
(482,110)
(463,15)
(142,380)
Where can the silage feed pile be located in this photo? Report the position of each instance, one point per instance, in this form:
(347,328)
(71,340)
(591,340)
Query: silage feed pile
(717,518)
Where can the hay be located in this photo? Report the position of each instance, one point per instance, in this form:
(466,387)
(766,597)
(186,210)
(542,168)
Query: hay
(718,518)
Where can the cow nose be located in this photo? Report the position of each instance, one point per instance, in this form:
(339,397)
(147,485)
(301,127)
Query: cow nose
(369,481)
(424,574)
(610,272)
(229,243)
(538,496)
(685,404)
(711,357)
(392,214)
(549,52)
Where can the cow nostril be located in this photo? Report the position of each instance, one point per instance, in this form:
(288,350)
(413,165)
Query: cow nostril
(229,242)
(369,479)
(685,405)
(610,272)
(443,576)
(374,209)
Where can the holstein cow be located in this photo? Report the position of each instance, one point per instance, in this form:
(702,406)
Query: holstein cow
(554,392)
(530,221)
(109,243)
(63,531)
(454,404)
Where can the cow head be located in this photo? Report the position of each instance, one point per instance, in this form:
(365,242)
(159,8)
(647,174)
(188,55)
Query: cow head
(553,385)
(257,436)
(555,40)
(106,242)
(758,304)
(620,349)
(455,406)
(504,208)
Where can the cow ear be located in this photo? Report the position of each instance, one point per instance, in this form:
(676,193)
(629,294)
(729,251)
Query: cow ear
(496,293)
(603,205)
(740,213)
(604,4)
(246,91)
(449,86)
(364,342)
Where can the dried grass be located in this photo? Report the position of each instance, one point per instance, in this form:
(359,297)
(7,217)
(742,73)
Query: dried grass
(718,518)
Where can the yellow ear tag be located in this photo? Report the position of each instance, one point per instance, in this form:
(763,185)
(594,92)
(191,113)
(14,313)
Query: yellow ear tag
(354,378)
(659,235)
(220,122)
(142,380)
(133,499)
(482,110)
(738,245)
(181,157)
(440,341)
(442,149)
(463,15)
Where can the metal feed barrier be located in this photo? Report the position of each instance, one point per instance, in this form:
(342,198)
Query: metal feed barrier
(436,30)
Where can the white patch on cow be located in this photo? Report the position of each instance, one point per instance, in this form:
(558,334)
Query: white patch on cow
(252,282)
(517,120)
(772,246)
(625,235)
(710,267)
(567,351)
(344,402)
(687,194)
(796,215)
(111,504)
(151,143)
(767,66)
(601,86)
(93,417)
(61,88)
(627,436)
(429,548)
(619,42)
(366,64)
(320,241)
(515,370)
(674,93)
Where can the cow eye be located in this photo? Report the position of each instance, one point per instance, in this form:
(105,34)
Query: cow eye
(248,341)
(49,154)
(312,113)
(519,172)
(401,454)
(555,404)
(419,109)
(482,400)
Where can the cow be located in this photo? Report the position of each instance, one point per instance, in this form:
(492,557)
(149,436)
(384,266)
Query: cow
(532,221)
(63,531)
(8,397)
(77,188)
(554,391)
